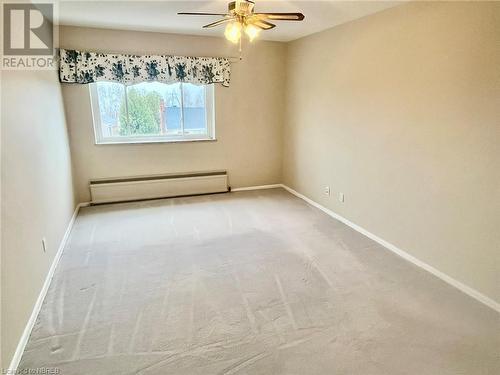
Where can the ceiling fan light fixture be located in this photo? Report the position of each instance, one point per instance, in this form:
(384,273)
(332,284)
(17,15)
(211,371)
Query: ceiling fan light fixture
(233,32)
(241,18)
(252,31)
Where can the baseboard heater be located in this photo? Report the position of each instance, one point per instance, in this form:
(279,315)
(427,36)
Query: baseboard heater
(125,189)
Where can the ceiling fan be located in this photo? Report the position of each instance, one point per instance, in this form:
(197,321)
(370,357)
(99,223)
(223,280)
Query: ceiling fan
(241,16)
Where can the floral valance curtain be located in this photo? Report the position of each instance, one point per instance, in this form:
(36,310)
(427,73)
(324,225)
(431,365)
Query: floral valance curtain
(87,67)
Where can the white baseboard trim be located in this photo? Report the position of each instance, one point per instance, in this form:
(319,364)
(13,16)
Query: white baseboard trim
(448,279)
(38,304)
(260,187)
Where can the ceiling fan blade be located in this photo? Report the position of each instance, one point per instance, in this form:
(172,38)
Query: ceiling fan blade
(217,23)
(282,16)
(201,14)
(264,25)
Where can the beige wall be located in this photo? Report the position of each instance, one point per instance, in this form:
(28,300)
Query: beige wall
(400,111)
(37,193)
(249,114)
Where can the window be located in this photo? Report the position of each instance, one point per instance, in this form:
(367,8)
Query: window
(152,112)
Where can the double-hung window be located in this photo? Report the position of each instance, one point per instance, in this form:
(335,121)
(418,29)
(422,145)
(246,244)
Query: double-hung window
(152,112)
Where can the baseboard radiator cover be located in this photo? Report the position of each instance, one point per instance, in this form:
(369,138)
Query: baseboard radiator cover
(136,188)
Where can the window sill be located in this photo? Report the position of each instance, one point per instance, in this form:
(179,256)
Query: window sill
(141,142)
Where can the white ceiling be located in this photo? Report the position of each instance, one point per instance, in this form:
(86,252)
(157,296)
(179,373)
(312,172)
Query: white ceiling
(162,15)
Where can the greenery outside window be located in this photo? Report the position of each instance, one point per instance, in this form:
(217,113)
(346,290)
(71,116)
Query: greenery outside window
(152,112)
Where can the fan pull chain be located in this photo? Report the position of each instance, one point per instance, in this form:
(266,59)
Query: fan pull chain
(240,50)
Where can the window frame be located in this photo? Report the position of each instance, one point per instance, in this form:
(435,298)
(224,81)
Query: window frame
(101,140)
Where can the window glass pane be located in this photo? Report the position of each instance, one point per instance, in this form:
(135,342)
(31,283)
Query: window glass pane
(143,106)
(111,98)
(149,109)
(172,111)
(153,109)
(194,109)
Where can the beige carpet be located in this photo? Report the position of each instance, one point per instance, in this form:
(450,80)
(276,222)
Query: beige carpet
(248,283)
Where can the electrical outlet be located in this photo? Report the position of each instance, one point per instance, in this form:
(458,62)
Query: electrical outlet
(327,190)
(341,197)
(44,245)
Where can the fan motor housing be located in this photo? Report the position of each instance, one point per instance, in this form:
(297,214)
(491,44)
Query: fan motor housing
(241,8)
